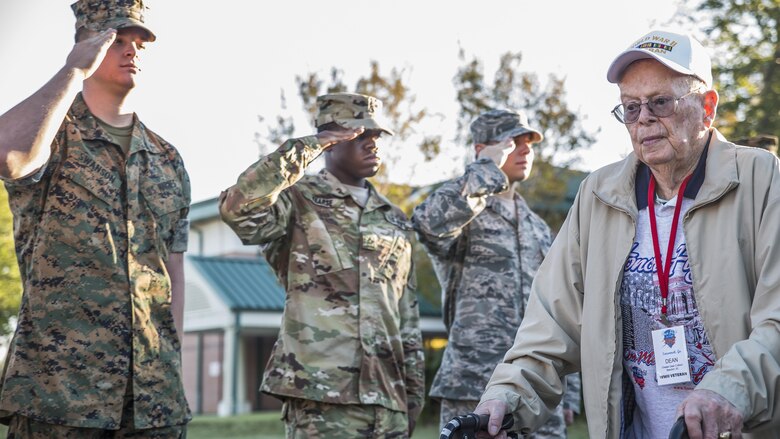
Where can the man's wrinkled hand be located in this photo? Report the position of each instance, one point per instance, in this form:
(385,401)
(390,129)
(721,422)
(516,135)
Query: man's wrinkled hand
(498,152)
(87,54)
(496,409)
(329,138)
(708,414)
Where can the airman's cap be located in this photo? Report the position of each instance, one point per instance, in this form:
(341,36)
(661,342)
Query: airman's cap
(350,110)
(99,15)
(497,125)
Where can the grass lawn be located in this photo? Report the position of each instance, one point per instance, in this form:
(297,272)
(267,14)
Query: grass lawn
(266,425)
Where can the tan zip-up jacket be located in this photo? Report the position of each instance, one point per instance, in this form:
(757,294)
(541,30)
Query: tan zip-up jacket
(573,320)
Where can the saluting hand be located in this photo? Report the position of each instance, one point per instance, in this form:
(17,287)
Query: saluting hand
(498,152)
(329,138)
(87,54)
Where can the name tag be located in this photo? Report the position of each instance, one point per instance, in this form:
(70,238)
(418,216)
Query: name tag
(323,201)
(671,356)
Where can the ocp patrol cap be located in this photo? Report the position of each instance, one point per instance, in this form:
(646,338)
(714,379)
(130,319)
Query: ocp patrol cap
(350,110)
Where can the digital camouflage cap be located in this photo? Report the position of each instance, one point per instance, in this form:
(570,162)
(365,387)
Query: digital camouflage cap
(99,15)
(497,125)
(350,110)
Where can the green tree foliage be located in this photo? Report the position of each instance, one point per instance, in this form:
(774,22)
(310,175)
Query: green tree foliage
(10,282)
(399,108)
(746,65)
(545,102)
(547,110)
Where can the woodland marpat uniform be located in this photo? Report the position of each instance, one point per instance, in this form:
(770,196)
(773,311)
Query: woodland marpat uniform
(93,230)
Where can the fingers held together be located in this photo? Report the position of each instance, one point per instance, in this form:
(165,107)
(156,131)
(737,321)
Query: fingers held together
(329,138)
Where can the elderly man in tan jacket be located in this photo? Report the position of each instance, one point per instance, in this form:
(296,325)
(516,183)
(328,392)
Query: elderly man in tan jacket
(663,285)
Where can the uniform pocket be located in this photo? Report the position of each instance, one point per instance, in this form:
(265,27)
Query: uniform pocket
(163,197)
(166,202)
(391,251)
(83,209)
(85,179)
(324,231)
(395,261)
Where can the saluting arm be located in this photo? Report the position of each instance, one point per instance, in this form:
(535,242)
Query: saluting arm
(255,207)
(440,219)
(28,129)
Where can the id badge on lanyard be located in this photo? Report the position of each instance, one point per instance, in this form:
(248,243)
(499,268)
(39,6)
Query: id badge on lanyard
(670,348)
(671,356)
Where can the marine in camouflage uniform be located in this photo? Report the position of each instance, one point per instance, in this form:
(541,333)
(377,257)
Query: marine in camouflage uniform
(97,228)
(348,361)
(486,245)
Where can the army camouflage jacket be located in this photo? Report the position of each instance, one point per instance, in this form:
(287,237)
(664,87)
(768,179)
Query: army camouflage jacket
(350,332)
(485,259)
(93,230)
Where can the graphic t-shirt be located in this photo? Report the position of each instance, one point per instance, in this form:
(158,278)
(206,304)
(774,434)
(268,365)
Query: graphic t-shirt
(640,301)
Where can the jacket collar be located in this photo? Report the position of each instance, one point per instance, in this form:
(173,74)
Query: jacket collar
(719,169)
(328,184)
(91,130)
(697,179)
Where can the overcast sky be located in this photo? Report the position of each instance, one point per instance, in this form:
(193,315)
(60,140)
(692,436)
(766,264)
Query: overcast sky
(217,65)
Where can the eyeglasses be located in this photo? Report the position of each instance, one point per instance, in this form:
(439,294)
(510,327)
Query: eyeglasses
(659,106)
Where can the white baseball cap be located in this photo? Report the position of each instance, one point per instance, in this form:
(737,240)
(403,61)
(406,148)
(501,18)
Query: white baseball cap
(680,52)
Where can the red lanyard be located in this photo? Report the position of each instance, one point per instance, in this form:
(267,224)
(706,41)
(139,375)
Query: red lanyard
(663,271)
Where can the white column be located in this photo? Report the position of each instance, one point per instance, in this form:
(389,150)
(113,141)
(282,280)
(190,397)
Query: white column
(225,407)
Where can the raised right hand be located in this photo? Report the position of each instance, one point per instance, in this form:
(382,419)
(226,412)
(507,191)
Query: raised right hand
(496,409)
(87,54)
(498,152)
(330,138)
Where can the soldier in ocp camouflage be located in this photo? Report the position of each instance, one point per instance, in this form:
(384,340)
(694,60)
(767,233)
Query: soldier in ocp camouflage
(100,225)
(486,245)
(348,360)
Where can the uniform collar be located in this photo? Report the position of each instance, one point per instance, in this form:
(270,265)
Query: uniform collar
(521,209)
(91,130)
(499,207)
(331,185)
